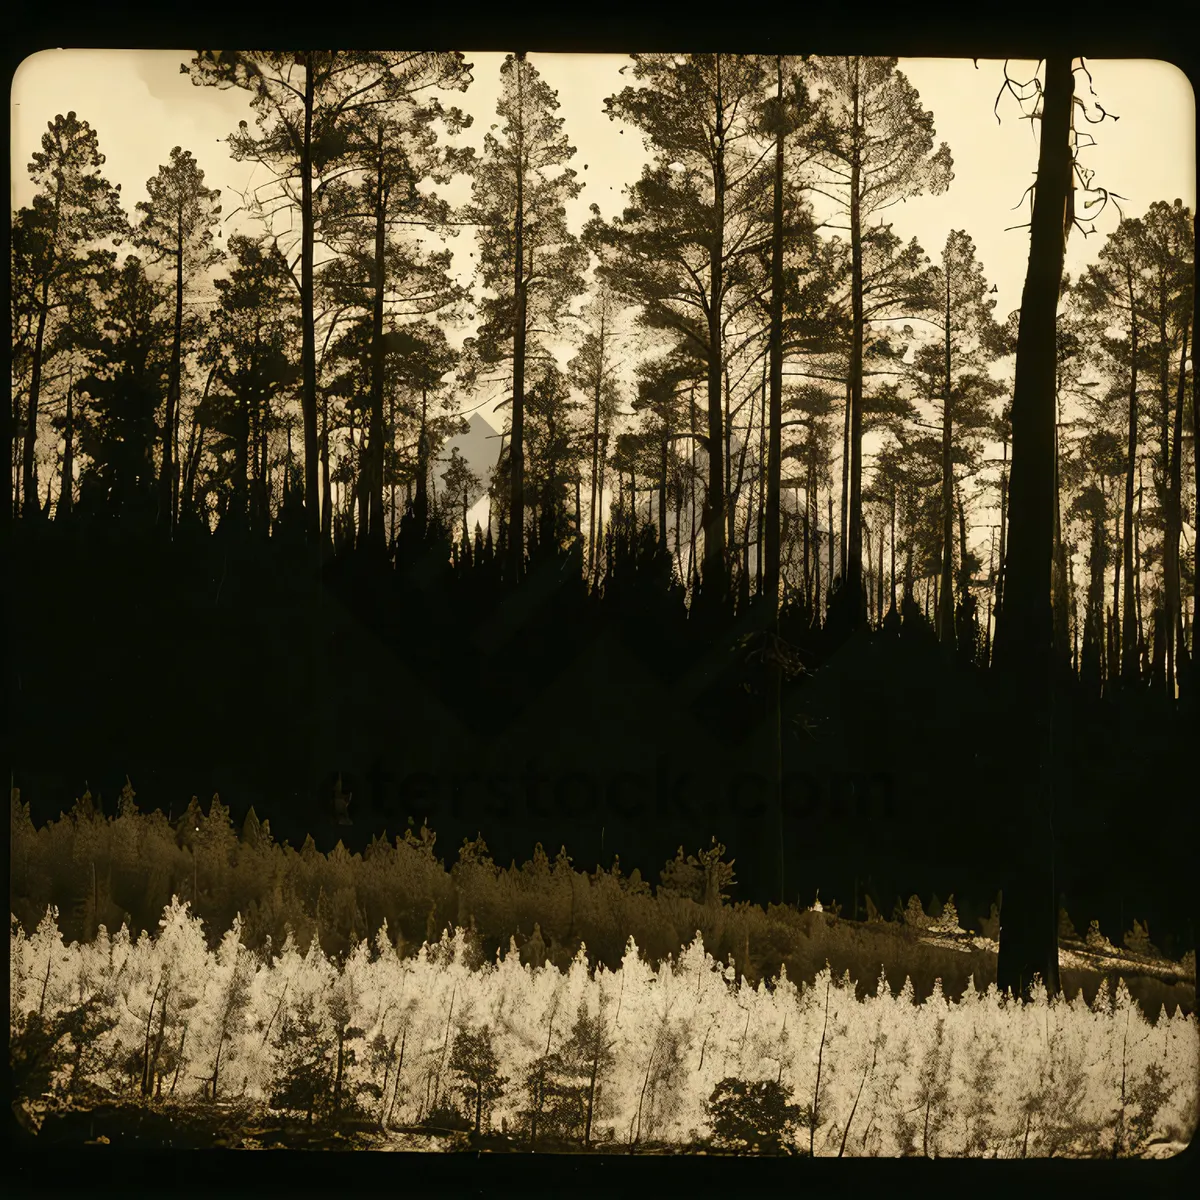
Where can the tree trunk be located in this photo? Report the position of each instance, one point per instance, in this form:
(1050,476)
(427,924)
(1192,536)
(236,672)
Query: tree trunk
(1060,576)
(1196,514)
(760,522)
(421,498)
(375,531)
(516,452)
(318,523)
(945,612)
(662,487)
(600,515)
(66,496)
(1114,626)
(596,399)
(1029,941)
(241,465)
(892,576)
(326,509)
(337,1078)
(217,1064)
(774,483)
(855,600)
(843,509)
(29,449)
(1139,627)
(879,609)
(1001,567)
(832,576)
(166,478)
(716,584)
(816,536)
(587,1124)
(774,420)
(1129,624)
(1176,642)
(392,497)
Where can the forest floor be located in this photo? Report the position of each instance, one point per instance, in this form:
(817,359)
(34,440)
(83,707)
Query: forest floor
(198,1126)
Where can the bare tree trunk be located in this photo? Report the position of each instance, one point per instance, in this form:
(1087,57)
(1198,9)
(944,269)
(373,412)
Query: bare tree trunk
(373,532)
(716,583)
(1029,943)
(66,496)
(326,508)
(1131,621)
(945,612)
(516,451)
(774,483)
(843,509)
(596,398)
(29,447)
(1002,568)
(1114,624)
(816,535)
(1176,641)
(829,498)
(853,588)
(319,524)
(166,478)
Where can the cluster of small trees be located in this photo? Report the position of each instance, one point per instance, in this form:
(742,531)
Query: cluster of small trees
(176,380)
(105,870)
(631,1057)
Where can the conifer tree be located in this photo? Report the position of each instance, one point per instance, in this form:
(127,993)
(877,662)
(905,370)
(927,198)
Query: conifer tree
(686,246)
(530,262)
(74,209)
(876,147)
(176,226)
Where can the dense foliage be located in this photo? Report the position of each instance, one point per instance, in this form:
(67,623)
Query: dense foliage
(111,871)
(688,1053)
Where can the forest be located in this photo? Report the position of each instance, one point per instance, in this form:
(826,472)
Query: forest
(729,518)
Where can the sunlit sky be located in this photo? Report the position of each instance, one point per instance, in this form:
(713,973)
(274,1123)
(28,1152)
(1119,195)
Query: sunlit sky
(141,106)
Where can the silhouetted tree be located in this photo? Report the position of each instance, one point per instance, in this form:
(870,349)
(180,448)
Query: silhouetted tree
(176,226)
(529,259)
(74,208)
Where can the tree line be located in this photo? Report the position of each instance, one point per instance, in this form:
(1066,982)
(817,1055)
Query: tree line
(774,404)
(733,355)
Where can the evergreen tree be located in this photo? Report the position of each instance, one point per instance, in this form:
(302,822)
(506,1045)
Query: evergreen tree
(74,208)
(686,246)
(121,398)
(530,262)
(176,226)
(252,358)
(474,1059)
(875,146)
(954,368)
(304,102)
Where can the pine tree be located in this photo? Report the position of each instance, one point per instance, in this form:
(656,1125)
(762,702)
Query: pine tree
(74,209)
(530,262)
(474,1059)
(304,103)
(121,399)
(176,226)
(686,246)
(875,145)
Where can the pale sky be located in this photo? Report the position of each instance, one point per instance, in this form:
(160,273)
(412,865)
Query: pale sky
(141,106)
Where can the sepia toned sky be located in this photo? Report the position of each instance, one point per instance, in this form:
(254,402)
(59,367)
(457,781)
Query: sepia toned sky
(141,106)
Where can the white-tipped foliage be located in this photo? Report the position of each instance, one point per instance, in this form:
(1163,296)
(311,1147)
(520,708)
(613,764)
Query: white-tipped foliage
(983,1076)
